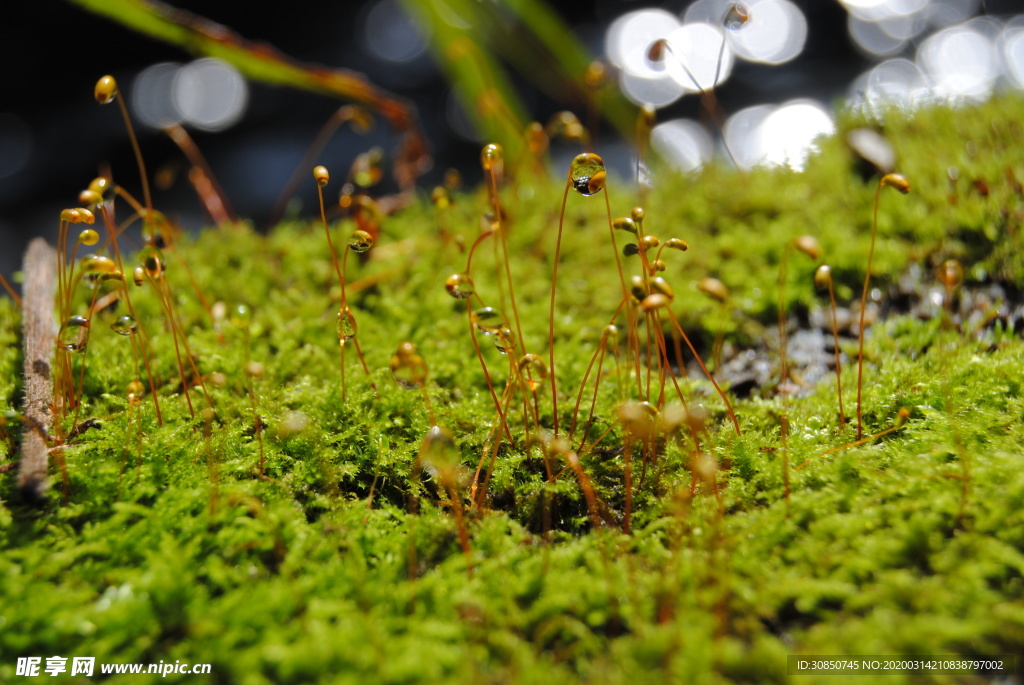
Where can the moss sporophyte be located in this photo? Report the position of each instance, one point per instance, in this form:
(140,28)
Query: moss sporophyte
(535,474)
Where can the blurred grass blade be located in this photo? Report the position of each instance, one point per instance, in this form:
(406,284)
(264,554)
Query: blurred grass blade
(263,62)
(478,80)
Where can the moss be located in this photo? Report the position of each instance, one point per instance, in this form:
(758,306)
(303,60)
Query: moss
(178,550)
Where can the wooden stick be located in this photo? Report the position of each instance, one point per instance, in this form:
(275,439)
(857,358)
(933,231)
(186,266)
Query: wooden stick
(39,338)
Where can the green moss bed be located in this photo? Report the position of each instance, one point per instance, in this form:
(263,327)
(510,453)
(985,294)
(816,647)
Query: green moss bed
(169,546)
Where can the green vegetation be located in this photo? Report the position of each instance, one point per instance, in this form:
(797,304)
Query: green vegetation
(909,544)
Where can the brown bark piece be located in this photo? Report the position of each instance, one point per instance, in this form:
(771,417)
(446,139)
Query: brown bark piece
(39,337)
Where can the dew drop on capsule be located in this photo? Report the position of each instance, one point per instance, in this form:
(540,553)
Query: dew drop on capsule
(488,319)
(533,370)
(346,325)
(125,325)
(460,286)
(74,334)
(408,367)
(587,174)
(439,450)
(360,241)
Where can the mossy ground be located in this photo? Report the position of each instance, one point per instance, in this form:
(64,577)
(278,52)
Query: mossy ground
(178,551)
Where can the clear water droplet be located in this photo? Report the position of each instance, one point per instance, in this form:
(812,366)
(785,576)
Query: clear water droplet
(74,334)
(489,320)
(587,174)
(125,325)
(360,241)
(533,370)
(346,325)
(460,286)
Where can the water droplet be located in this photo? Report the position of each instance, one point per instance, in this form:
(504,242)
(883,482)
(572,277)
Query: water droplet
(587,174)
(88,237)
(125,325)
(74,334)
(366,169)
(533,370)
(460,286)
(97,264)
(241,316)
(407,366)
(489,320)
(152,261)
(490,157)
(440,453)
(346,325)
(505,340)
(360,241)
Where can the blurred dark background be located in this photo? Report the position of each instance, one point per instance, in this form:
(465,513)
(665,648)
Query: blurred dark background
(54,138)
